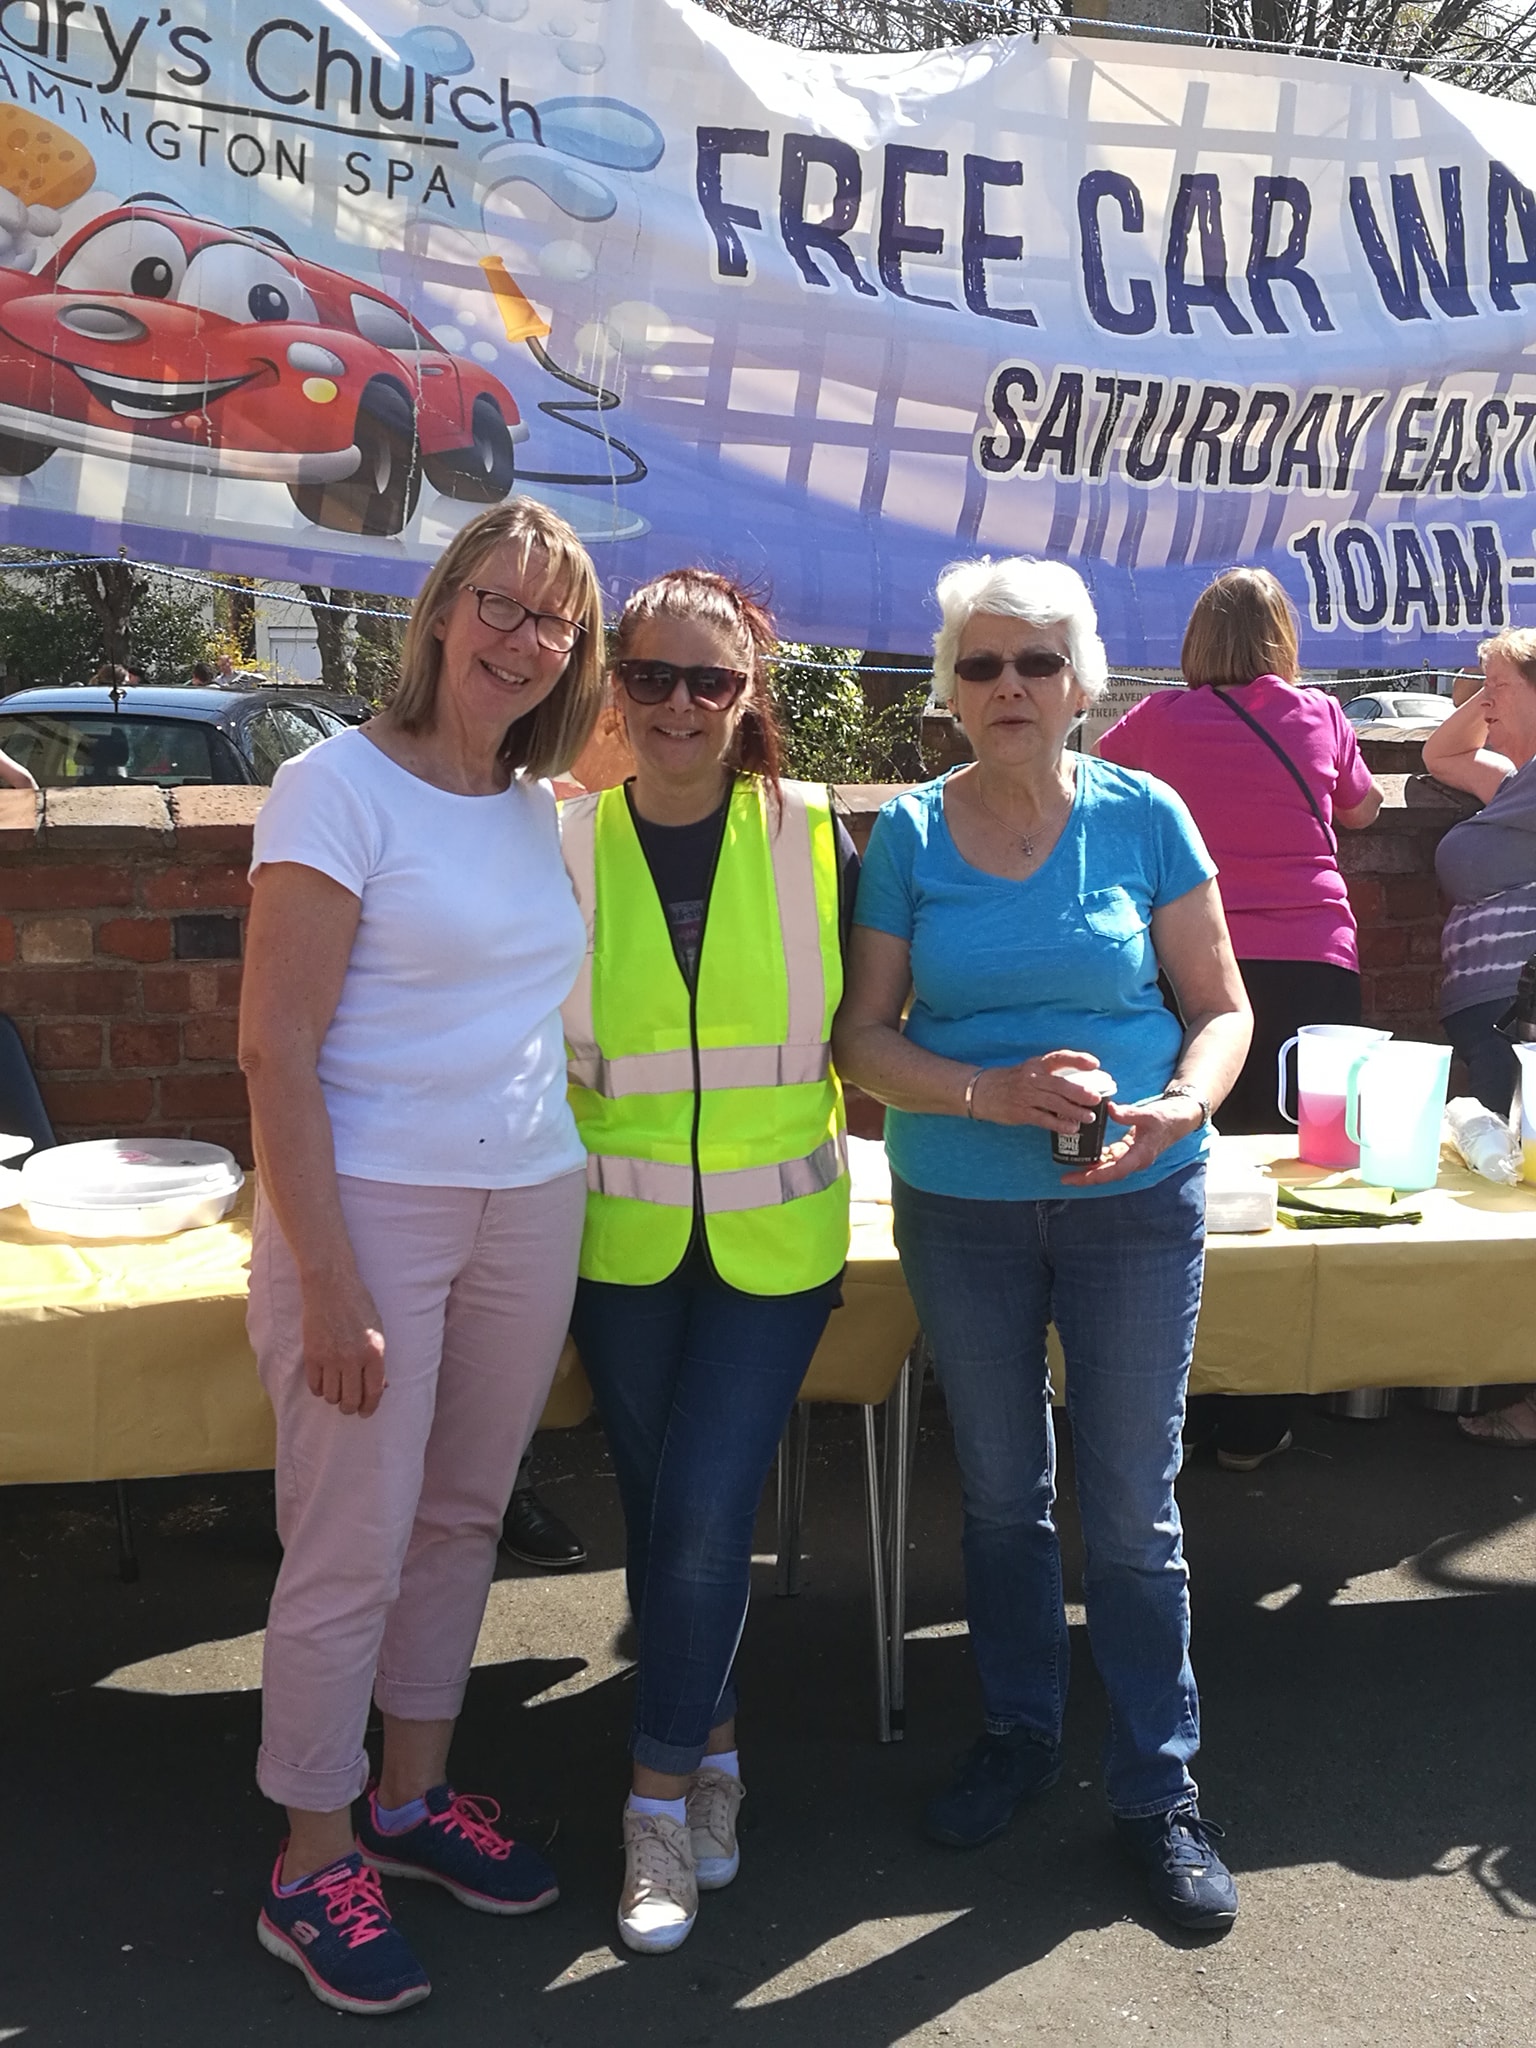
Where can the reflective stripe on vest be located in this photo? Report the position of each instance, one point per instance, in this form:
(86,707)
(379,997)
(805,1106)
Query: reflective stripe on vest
(744,1187)
(720,1066)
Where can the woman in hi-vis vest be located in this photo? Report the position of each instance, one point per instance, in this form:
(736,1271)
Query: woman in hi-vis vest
(698,1037)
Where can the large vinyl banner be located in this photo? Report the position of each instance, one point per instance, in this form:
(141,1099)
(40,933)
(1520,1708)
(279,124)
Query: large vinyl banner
(293,290)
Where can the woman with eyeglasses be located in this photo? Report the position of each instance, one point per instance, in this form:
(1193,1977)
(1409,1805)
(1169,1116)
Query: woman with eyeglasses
(1012,920)
(717,1209)
(412,936)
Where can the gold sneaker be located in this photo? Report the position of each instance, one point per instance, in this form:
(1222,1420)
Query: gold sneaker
(660,1901)
(714,1798)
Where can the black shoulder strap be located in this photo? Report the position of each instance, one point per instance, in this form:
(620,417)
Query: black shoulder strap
(1283,758)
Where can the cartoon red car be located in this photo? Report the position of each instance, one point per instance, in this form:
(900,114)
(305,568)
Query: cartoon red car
(160,338)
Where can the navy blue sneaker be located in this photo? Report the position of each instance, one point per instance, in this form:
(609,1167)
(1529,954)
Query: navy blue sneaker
(336,1929)
(457,1846)
(1186,1879)
(997,1776)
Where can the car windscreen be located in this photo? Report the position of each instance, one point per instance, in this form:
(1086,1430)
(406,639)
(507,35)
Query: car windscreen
(1416,707)
(70,749)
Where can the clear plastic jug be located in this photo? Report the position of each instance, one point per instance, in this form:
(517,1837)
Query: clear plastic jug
(1324,1055)
(1526,1055)
(1395,1103)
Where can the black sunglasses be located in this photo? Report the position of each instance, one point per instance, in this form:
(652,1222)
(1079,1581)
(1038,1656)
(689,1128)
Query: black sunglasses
(1034,664)
(652,682)
(505,614)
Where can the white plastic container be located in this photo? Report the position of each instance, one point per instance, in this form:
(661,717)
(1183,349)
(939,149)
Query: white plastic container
(12,1147)
(129,1187)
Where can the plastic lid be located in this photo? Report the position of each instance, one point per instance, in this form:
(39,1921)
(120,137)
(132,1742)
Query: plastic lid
(1088,1077)
(118,1173)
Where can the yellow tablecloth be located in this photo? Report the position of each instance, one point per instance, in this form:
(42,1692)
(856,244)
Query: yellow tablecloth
(130,1360)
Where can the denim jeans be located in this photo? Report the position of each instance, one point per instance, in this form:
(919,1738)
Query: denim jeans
(1120,1277)
(1492,1069)
(695,1382)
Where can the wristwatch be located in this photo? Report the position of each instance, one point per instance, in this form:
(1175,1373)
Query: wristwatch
(1190,1093)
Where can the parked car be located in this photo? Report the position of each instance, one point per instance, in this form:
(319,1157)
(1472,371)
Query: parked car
(1380,709)
(167,735)
(161,338)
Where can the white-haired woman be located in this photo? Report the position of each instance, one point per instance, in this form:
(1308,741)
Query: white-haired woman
(412,937)
(1025,904)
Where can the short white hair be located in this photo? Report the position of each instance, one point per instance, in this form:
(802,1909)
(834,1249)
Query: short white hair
(1018,587)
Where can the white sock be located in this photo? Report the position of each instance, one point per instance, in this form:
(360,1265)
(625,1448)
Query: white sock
(674,1809)
(727,1761)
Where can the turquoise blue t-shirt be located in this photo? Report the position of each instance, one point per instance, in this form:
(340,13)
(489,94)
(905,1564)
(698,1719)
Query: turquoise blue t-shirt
(1003,971)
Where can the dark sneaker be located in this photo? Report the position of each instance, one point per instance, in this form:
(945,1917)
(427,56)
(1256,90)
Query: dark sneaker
(337,1930)
(998,1775)
(457,1846)
(1186,1879)
(533,1534)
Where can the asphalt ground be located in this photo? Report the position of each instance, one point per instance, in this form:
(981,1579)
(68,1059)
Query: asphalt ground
(1364,1643)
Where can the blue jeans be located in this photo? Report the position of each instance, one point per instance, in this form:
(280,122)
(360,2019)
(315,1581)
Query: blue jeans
(695,1382)
(1492,1069)
(1120,1277)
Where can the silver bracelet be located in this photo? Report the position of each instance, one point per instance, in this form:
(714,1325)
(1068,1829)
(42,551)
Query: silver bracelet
(970,1093)
(1186,1091)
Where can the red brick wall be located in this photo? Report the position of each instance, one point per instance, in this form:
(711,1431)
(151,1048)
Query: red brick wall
(122,916)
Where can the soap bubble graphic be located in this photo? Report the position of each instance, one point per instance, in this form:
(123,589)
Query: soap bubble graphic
(611,133)
(566,262)
(442,50)
(575,192)
(582,58)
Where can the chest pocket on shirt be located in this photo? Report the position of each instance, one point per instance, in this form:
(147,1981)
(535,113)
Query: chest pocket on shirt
(1113,914)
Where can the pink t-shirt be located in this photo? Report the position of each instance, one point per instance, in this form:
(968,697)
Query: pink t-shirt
(1285,898)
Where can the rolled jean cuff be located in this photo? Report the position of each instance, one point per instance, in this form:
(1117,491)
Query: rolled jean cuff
(675,1759)
(1154,1807)
(310,1791)
(409,1699)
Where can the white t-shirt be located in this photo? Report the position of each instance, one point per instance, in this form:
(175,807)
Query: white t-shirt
(444,1065)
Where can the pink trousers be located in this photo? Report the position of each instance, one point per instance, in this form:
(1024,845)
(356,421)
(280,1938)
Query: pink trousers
(389,1525)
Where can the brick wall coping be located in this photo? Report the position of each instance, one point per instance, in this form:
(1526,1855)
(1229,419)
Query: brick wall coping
(218,819)
(205,818)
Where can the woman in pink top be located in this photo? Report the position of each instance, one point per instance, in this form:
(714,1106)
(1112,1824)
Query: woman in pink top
(1268,771)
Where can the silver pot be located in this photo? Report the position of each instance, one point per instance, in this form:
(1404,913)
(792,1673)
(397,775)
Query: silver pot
(1360,1404)
(1457,1400)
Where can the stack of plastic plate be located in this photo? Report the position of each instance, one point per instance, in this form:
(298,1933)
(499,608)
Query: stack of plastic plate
(129,1187)
(11,1147)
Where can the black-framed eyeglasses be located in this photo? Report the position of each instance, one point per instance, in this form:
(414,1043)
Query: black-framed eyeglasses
(652,682)
(1033,664)
(505,614)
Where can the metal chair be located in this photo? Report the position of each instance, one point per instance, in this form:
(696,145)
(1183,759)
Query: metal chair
(24,1114)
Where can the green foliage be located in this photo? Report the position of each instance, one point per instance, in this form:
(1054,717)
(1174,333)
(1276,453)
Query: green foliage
(831,732)
(50,633)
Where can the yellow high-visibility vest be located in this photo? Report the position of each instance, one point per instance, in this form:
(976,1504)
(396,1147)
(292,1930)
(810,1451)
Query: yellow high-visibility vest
(723,1096)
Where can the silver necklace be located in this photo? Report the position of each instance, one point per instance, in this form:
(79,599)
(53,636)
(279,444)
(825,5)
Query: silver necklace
(1025,840)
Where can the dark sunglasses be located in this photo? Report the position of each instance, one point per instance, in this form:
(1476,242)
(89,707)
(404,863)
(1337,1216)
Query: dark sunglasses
(652,682)
(1034,664)
(505,614)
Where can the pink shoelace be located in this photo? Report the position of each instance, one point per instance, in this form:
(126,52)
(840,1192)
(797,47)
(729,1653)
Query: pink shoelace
(354,1903)
(472,1818)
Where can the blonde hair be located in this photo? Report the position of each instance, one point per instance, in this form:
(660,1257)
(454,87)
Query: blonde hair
(549,738)
(1243,626)
(1517,644)
(1017,587)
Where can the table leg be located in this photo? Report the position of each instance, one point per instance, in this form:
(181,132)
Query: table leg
(794,1455)
(877,1564)
(127,1554)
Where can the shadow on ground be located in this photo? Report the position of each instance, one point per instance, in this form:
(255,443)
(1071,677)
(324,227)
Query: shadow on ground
(1352,1701)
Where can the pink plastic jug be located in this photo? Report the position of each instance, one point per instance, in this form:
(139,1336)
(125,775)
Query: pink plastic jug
(1324,1056)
